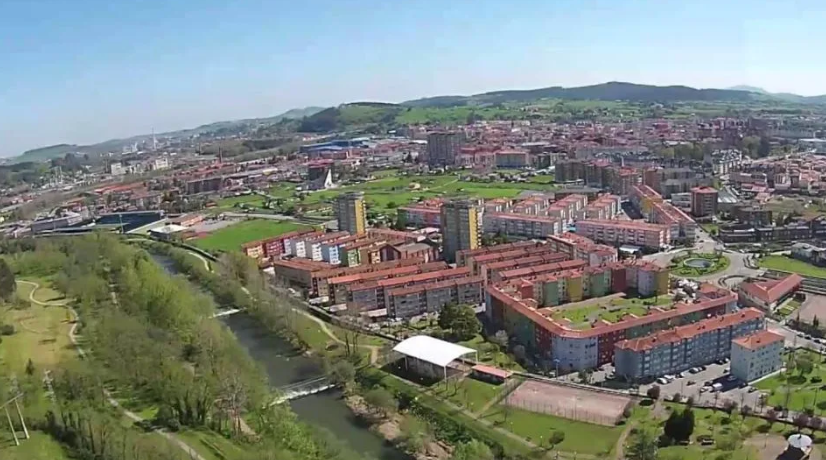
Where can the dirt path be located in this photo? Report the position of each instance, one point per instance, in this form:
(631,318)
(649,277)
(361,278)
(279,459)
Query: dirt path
(374,349)
(35,287)
(619,447)
(73,337)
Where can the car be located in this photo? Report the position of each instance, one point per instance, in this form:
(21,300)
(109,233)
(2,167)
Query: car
(704,389)
(807,337)
(708,383)
(720,361)
(703,367)
(694,370)
(662,381)
(751,389)
(680,375)
(690,382)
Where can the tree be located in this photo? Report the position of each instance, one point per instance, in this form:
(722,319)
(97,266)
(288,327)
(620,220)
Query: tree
(771,416)
(7,282)
(729,406)
(30,367)
(500,338)
(804,364)
(414,435)
(653,392)
(745,410)
(680,425)
(556,438)
(381,399)
(801,420)
(643,446)
(341,372)
(815,322)
(461,320)
(764,147)
(473,450)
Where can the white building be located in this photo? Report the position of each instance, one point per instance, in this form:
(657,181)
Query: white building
(681,200)
(756,355)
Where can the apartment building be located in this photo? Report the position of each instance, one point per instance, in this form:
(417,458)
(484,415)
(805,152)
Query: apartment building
(682,201)
(536,270)
(408,302)
(678,349)
(568,209)
(312,276)
(757,355)
(556,343)
(521,225)
(605,207)
(443,147)
(427,251)
(461,227)
(420,215)
(468,257)
(338,287)
(704,201)
(372,295)
(554,288)
(683,229)
(489,270)
(767,295)
(614,232)
(351,212)
(582,248)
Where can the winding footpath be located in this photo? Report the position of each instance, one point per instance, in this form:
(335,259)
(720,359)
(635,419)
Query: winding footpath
(73,337)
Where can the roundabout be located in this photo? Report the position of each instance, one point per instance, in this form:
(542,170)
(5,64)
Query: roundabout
(699,264)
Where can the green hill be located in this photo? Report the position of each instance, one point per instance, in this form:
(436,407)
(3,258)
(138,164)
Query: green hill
(351,116)
(45,153)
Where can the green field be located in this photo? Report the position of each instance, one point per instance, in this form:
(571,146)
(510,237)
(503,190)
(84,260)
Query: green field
(787,264)
(469,393)
(386,192)
(796,391)
(39,447)
(41,333)
(580,437)
(719,263)
(231,238)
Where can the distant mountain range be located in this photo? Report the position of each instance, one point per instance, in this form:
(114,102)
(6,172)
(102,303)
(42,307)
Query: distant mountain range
(790,97)
(60,150)
(322,119)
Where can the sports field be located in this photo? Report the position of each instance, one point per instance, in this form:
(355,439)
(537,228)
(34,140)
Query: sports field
(232,237)
(571,403)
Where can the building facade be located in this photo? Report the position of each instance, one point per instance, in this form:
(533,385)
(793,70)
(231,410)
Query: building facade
(461,225)
(675,350)
(351,213)
(756,355)
(704,201)
(443,147)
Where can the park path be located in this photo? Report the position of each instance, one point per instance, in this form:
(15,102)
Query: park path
(619,447)
(73,337)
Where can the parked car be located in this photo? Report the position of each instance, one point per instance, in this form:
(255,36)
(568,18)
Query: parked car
(662,381)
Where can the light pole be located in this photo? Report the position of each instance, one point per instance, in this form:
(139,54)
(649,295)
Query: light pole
(556,363)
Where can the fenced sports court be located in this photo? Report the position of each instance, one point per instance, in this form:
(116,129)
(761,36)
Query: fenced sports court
(601,408)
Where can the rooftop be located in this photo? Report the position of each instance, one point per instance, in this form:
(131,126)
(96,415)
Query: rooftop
(771,291)
(758,340)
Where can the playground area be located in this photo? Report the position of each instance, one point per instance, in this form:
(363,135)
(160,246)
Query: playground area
(572,403)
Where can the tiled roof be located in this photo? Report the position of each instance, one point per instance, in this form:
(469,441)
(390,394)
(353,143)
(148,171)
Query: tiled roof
(688,331)
(771,291)
(758,340)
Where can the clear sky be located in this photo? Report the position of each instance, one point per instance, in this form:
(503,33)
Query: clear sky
(84,71)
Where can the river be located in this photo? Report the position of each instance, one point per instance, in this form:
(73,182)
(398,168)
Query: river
(284,365)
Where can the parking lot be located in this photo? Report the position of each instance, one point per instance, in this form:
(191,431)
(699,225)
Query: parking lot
(699,387)
(691,385)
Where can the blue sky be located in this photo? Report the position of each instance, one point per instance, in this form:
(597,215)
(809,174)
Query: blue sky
(84,71)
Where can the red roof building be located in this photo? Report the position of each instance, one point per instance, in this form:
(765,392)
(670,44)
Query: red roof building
(768,295)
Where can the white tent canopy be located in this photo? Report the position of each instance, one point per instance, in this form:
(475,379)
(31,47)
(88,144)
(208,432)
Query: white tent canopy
(435,351)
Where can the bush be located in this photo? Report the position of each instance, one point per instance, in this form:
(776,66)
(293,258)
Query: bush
(6,329)
(816,379)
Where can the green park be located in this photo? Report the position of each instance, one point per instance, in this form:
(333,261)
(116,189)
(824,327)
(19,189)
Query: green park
(231,238)
(693,264)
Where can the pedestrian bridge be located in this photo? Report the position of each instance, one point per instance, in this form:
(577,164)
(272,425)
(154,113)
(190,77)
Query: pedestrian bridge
(302,389)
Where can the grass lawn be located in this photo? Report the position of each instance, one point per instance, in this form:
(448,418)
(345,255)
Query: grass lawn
(41,334)
(797,389)
(580,437)
(612,311)
(40,446)
(470,393)
(211,445)
(789,307)
(231,238)
(718,263)
(787,264)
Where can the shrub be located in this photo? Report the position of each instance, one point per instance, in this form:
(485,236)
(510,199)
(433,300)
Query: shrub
(6,329)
